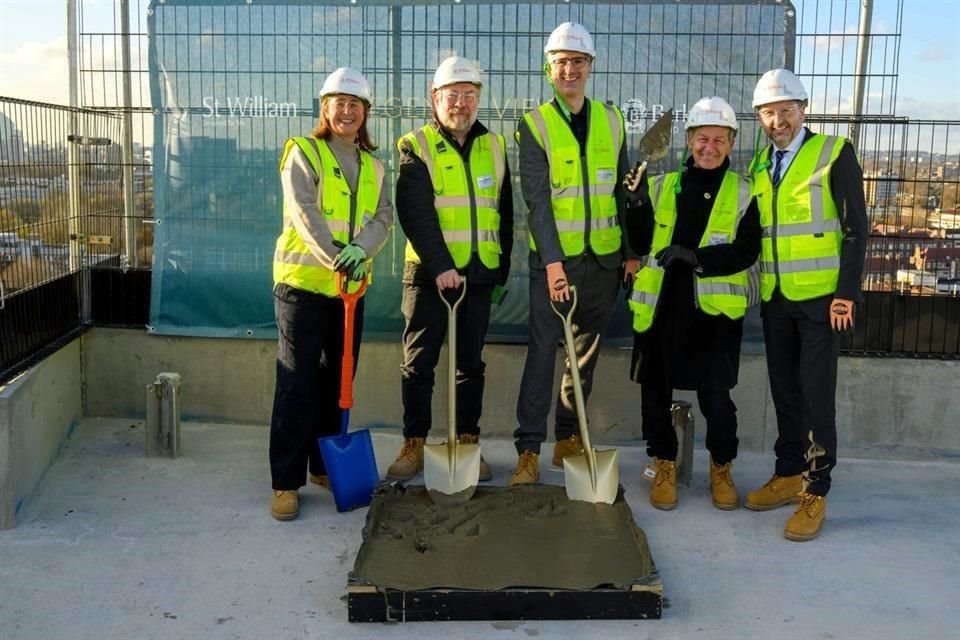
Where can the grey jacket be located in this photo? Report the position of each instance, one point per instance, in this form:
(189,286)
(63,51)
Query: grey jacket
(303,201)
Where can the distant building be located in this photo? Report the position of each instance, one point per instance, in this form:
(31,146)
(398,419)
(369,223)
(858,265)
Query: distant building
(880,187)
(11,142)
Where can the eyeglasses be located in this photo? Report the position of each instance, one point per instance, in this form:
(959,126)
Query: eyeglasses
(468,97)
(784,113)
(577,63)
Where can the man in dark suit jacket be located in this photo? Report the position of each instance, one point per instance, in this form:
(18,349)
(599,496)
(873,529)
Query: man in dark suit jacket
(809,189)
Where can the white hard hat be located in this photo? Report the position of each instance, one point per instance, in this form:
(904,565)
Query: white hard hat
(778,85)
(571,36)
(714,111)
(456,69)
(347,81)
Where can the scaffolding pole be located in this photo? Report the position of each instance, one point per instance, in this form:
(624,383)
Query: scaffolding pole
(863,58)
(129,214)
(73,150)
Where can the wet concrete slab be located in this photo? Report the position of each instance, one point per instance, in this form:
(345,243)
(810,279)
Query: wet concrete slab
(524,553)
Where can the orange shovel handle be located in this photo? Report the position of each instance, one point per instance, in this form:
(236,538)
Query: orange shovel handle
(346,363)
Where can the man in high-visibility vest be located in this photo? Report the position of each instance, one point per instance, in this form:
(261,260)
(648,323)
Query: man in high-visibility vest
(809,190)
(700,234)
(572,160)
(337,216)
(455,204)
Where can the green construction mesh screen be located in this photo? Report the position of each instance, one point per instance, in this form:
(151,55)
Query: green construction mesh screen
(231,80)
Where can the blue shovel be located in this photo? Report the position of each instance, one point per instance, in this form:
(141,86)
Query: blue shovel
(348,457)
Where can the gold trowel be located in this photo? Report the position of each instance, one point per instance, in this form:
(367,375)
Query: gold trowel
(654,145)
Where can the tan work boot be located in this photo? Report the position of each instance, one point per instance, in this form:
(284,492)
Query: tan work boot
(469,438)
(528,469)
(778,491)
(663,496)
(567,447)
(722,489)
(285,505)
(409,461)
(322,480)
(805,523)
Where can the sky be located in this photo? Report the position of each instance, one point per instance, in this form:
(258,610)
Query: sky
(33,51)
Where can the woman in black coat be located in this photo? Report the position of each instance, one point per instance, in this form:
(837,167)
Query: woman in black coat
(690,343)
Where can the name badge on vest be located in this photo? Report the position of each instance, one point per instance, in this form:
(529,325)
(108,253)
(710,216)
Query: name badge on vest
(485,182)
(441,146)
(717,238)
(605,175)
(336,172)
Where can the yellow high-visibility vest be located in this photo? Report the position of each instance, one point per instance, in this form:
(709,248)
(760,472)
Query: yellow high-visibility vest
(800,248)
(344,212)
(466,195)
(581,189)
(727,295)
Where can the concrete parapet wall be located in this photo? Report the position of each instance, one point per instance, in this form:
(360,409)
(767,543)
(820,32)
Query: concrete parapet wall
(882,404)
(37,410)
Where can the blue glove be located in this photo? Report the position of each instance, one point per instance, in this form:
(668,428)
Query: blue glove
(359,272)
(349,258)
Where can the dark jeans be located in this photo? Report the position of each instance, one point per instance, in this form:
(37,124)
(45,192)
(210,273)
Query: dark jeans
(597,292)
(802,363)
(306,400)
(423,337)
(715,404)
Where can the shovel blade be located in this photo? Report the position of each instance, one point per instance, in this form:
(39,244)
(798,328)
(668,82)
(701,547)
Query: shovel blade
(577,479)
(352,468)
(451,479)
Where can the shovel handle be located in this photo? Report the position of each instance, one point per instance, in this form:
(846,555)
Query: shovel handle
(346,362)
(577,388)
(452,365)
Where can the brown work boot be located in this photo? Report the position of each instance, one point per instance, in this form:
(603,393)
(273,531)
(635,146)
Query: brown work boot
(469,438)
(528,469)
(722,489)
(409,461)
(567,447)
(663,496)
(285,505)
(778,491)
(321,480)
(805,523)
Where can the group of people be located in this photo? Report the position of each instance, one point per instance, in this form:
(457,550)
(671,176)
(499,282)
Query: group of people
(697,247)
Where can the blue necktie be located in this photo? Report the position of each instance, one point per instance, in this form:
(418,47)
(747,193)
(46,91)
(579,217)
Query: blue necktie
(776,168)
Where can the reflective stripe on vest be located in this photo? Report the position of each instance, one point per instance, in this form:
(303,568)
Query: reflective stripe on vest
(727,295)
(582,188)
(465,195)
(800,245)
(343,212)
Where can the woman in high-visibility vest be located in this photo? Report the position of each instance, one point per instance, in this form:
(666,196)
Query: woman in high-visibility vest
(700,235)
(336,217)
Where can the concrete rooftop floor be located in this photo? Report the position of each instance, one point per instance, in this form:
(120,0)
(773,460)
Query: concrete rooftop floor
(115,545)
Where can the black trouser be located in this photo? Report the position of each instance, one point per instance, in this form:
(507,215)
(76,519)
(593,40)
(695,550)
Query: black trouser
(306,400)
(802,364)
(423,337)
(715,404)
(597,292)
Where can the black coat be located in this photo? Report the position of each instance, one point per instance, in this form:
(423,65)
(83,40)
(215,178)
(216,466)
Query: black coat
(685,346)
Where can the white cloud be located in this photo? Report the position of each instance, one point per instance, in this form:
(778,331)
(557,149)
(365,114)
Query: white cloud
(836,40)
(926,109)
(934,55)
(36,71)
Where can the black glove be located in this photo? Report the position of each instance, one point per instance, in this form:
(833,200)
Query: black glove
(676,255)
(635,186)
